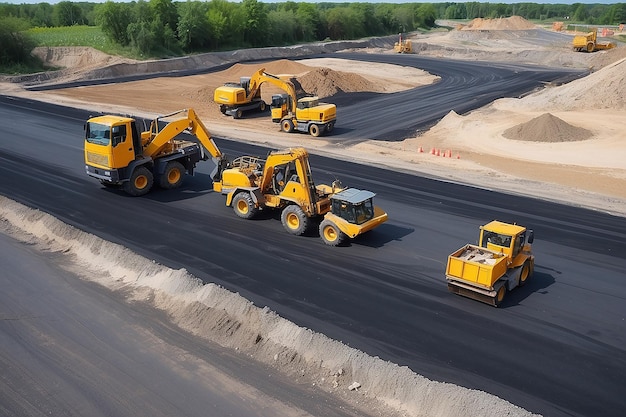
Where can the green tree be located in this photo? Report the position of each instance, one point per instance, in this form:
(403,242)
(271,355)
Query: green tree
(15,45)
(580,13)
(166,11)
(194,30)
(425,15)
(282,27)
(67,13)
(114,19)
(308,19)
(255,32)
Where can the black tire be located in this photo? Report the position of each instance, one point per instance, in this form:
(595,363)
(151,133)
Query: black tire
(329,127)
(330,233)
(244,206)
(315,130)
(590,47)
(140,182)
(294,220)
(238,114)
(173,175)
(223,108)
(525,274)
(286,125)
(500,296)
(262,106)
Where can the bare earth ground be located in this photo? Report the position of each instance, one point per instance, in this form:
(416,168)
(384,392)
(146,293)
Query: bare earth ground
(590,172)
(563,143)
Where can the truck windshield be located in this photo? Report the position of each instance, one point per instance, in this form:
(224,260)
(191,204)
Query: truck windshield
(98,133)
(495,239)
(357,213)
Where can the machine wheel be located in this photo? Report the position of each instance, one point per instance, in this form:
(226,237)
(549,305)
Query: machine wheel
(262,107)
(499,296)
(244,206)
(590,47)
(223,108)
(525,274)
(140,182)
(173,175)
(315,130)
(329,127)
(330,233)
(238,114)
(286,125)
(294,220)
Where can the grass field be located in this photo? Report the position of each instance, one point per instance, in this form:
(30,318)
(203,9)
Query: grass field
(77,36)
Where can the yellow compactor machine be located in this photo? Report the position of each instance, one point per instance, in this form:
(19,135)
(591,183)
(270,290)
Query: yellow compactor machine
(589,42)
(502,261)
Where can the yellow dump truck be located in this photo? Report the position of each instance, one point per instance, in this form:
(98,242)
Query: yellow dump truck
(589,42)
(502,261)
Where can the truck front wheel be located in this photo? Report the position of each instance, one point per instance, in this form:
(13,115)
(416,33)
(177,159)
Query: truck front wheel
(315,130)
(244,206)
(173,175)
(287,125)
(330,233)
(140,182)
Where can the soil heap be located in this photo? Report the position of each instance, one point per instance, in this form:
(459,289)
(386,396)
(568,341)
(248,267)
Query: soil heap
(504,23)
(547,128)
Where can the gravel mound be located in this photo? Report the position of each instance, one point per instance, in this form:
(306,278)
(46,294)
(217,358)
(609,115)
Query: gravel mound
(547,128)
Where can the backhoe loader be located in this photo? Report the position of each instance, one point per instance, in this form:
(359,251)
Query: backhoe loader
(589,42)
(118,154)
(304,115)
(283,181)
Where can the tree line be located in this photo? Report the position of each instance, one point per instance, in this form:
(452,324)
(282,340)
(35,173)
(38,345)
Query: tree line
(166,27)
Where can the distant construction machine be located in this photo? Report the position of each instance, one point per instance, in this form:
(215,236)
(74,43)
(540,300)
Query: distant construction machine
(283,182)
(118,154)
(502,261)
(589,42)
(307,114)
(403,46)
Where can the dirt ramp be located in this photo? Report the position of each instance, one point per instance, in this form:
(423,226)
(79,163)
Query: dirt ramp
(547,128)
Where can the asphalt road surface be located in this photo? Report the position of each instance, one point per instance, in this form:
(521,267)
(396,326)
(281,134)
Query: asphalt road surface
(72,348)
(556,347)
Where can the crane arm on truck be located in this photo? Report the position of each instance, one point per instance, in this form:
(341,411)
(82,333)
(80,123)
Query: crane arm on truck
(158,140)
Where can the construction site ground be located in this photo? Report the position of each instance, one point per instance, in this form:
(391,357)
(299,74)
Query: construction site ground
(564,143)
(569,143)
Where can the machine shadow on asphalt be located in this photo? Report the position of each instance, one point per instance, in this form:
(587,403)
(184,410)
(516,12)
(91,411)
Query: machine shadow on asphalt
(535,287)
(382,235)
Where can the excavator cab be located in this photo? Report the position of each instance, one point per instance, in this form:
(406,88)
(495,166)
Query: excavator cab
(354,206)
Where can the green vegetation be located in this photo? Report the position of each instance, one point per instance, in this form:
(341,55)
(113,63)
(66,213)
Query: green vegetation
(164,28)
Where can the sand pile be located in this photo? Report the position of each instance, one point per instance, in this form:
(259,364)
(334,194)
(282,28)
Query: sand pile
(279,67)
(603,89)
(547,128)
(504,23)
(325,82)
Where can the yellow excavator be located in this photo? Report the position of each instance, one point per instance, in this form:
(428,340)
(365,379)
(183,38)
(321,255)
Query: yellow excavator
(403,46)
(307,114)
(283,182)
(118,155)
